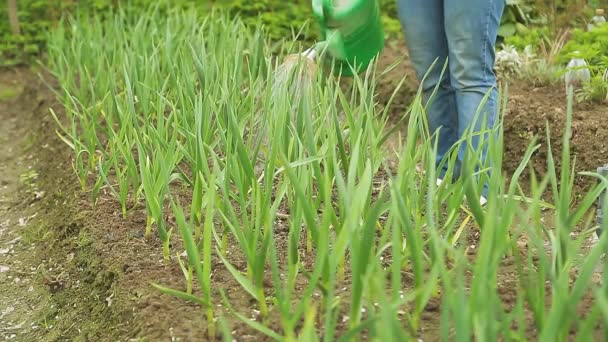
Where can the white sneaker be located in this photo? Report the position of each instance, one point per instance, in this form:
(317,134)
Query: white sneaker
(482,201)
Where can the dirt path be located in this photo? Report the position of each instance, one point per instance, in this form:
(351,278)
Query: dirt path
(52,284)
(22,295)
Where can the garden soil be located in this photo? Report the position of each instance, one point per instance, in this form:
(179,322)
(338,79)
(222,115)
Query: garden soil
(71,271)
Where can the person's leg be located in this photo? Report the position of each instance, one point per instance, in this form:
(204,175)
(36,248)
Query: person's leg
(422,22)
(471,28)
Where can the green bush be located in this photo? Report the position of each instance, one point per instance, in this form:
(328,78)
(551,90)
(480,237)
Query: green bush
(533,37)
(34,22)
(591,45)
(596,90)
(37,17)
(282,19)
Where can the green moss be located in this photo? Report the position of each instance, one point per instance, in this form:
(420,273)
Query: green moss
(84,239)
(76,308)
(8,92)
(79,311)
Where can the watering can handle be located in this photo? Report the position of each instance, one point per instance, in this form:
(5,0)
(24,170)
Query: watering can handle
(328,9)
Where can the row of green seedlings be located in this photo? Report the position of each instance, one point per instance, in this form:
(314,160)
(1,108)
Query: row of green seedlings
(209,104)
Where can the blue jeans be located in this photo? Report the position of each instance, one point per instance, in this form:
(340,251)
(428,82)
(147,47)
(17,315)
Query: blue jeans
(463,33)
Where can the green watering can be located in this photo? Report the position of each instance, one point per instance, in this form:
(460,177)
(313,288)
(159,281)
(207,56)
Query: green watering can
(352,32)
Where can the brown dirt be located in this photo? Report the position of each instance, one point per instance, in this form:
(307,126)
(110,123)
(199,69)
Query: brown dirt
(529,111)
(63,288)
(99,287)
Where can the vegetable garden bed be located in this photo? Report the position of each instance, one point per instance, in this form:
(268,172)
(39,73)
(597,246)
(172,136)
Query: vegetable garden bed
(264,210)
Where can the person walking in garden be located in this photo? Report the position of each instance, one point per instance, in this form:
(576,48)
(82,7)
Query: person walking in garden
(464,33)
